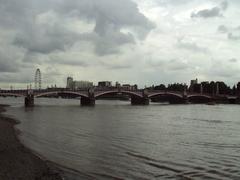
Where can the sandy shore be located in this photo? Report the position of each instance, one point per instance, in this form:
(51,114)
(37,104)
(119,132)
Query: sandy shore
(18,162)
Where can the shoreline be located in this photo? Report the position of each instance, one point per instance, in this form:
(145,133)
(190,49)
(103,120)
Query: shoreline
(17,161)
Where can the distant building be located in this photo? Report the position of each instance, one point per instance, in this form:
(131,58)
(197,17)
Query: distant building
(193,82)
(71,84)
(82,84)
(129,87)
(205,82)
(105,84)
(117,85)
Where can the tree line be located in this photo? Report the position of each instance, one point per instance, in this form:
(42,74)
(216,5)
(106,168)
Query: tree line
(206,88)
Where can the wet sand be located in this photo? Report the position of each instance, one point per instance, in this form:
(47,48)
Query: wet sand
(18,162)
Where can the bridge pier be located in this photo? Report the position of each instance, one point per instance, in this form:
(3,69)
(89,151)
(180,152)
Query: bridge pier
(139,101)
(87,101)
(185,99)
(232,100)
(29,100)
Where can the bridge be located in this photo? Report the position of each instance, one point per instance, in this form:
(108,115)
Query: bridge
(138,97)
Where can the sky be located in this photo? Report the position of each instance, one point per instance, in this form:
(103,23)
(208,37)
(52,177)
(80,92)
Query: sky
(142,42)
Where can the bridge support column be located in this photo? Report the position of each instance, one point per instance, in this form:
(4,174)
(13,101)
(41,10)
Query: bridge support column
(87,101)
(232,100)
(29,101)
(139,101)
(185,99)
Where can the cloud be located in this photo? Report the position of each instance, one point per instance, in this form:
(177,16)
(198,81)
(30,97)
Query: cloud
(178,65)
(46,34)
(110,18)
(7,67)
(232,33)
(233,60)
(116,65)
(170,65)
(117,38)
(192,46)
(71,59)
(213,12)
(10,59)
(224,5)
(207,13)
(43,27)
(108,43)
(12,78)
(223,29)
(227,69)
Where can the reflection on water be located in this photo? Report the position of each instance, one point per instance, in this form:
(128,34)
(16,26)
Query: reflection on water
(115,140)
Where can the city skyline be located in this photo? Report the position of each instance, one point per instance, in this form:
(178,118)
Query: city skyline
(72,83)
(164,41)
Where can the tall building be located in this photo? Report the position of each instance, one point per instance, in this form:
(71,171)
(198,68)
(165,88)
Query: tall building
(70,82)
(193,82)
(117,85)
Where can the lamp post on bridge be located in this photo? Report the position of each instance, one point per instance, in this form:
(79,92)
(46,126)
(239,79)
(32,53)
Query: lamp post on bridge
(201,89)
(185,98)
(217,89)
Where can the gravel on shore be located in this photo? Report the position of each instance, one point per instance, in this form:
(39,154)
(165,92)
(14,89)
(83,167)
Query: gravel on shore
(16,161)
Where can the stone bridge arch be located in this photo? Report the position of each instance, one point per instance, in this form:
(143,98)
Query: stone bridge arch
(165,94)
(130,93)
(61,92)
(199,98)
(12,94)
(171,97)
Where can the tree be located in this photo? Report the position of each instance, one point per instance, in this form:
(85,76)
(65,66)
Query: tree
(161,87)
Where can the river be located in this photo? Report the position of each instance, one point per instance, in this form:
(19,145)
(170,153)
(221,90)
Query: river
(115,140)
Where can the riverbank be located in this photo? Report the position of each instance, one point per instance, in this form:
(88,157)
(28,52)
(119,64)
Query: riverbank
(16,161)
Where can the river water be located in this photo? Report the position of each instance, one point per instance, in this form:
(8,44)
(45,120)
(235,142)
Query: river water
(115,140)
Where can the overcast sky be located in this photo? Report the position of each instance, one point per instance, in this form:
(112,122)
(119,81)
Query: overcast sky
(131,41)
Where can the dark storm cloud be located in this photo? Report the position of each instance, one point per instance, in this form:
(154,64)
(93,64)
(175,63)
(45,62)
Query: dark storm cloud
(118,14)
(110,18)
(213,12)
(45,40)
(109,42)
